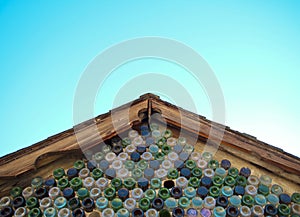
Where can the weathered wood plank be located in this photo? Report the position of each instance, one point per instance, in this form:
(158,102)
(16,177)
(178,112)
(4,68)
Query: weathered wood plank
(245,144)
(62,149)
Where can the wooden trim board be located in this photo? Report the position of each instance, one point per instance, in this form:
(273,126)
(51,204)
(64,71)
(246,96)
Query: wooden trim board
(19,167)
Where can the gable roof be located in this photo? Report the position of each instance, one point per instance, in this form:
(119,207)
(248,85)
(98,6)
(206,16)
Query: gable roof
(247,147)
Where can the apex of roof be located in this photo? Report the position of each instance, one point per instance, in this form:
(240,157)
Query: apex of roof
(247,147)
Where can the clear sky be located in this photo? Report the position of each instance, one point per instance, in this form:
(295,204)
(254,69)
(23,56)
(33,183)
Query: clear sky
(252,46)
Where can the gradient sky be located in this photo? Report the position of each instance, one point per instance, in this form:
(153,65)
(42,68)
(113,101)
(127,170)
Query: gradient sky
(253,48)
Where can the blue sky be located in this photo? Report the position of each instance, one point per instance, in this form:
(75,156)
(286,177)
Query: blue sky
(253,48)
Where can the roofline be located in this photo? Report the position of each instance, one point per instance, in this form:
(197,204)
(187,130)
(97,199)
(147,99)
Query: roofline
(150,103)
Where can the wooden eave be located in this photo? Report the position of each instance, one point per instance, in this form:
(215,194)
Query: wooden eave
(258,153)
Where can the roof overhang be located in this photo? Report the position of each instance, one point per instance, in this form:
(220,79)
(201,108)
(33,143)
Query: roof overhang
(238,144)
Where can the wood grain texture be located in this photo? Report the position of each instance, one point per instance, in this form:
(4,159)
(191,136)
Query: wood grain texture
(249,147)
(20,167)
